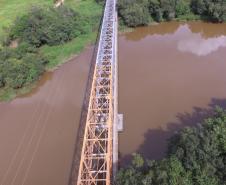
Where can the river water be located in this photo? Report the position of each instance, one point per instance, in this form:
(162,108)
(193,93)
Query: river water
(169,75)
(38,131)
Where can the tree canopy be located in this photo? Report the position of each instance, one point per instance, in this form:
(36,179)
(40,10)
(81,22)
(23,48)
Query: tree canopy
(196,156)
(140,12)
(46,26)
(215,10)
(20,66)
(134,13)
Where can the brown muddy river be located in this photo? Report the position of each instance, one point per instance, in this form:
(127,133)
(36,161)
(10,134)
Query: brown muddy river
(169,76)
(38,131)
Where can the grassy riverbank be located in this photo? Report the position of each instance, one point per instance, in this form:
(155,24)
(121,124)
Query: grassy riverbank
(59,54)
(55,54)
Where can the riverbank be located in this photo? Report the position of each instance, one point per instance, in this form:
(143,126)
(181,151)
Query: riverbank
(178,71)
(58,54)
(140,12)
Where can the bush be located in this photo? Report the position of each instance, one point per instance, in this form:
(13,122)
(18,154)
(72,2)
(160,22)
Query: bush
(15,75)
(168,9)
(46,26)
(198,7)
(22,49)
(134,13)
(182,8)
(135,16)
(212,9)
(155,10)
(20,66)
(140,12)
(2,81)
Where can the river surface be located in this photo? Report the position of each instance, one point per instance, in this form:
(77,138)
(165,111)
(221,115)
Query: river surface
(38,131)
(170,75)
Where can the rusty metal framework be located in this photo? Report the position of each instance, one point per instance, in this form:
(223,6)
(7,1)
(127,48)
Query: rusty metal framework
(96,156)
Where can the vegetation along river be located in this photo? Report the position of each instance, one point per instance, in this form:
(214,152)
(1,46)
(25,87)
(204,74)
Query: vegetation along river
(169,75)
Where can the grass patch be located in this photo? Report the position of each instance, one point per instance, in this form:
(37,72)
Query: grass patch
(85,7)
(11,9)
(59,54)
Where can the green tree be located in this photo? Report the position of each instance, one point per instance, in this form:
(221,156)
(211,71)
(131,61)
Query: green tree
(134,13)
(214,10)
(182,8)
(168,9)
(20,66)
(155,10)
(46,26)
(197,156)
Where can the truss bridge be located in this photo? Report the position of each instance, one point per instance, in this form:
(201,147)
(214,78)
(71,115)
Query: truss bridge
(99,154)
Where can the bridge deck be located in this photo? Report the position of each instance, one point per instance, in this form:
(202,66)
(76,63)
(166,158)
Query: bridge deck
(96,163)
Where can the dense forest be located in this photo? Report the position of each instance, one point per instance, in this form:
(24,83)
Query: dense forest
(196,156)
(142,12)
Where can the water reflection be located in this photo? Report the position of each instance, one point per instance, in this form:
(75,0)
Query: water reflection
(158,29)
(196,44)
(197,38)
(206,30)
(166,71)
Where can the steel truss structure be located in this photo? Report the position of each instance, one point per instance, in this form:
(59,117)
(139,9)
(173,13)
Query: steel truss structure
(97,151)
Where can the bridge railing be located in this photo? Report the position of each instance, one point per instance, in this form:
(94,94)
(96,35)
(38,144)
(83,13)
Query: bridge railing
(95,166)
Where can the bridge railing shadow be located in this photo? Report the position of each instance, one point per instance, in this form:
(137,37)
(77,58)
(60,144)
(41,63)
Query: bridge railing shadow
(156,140)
